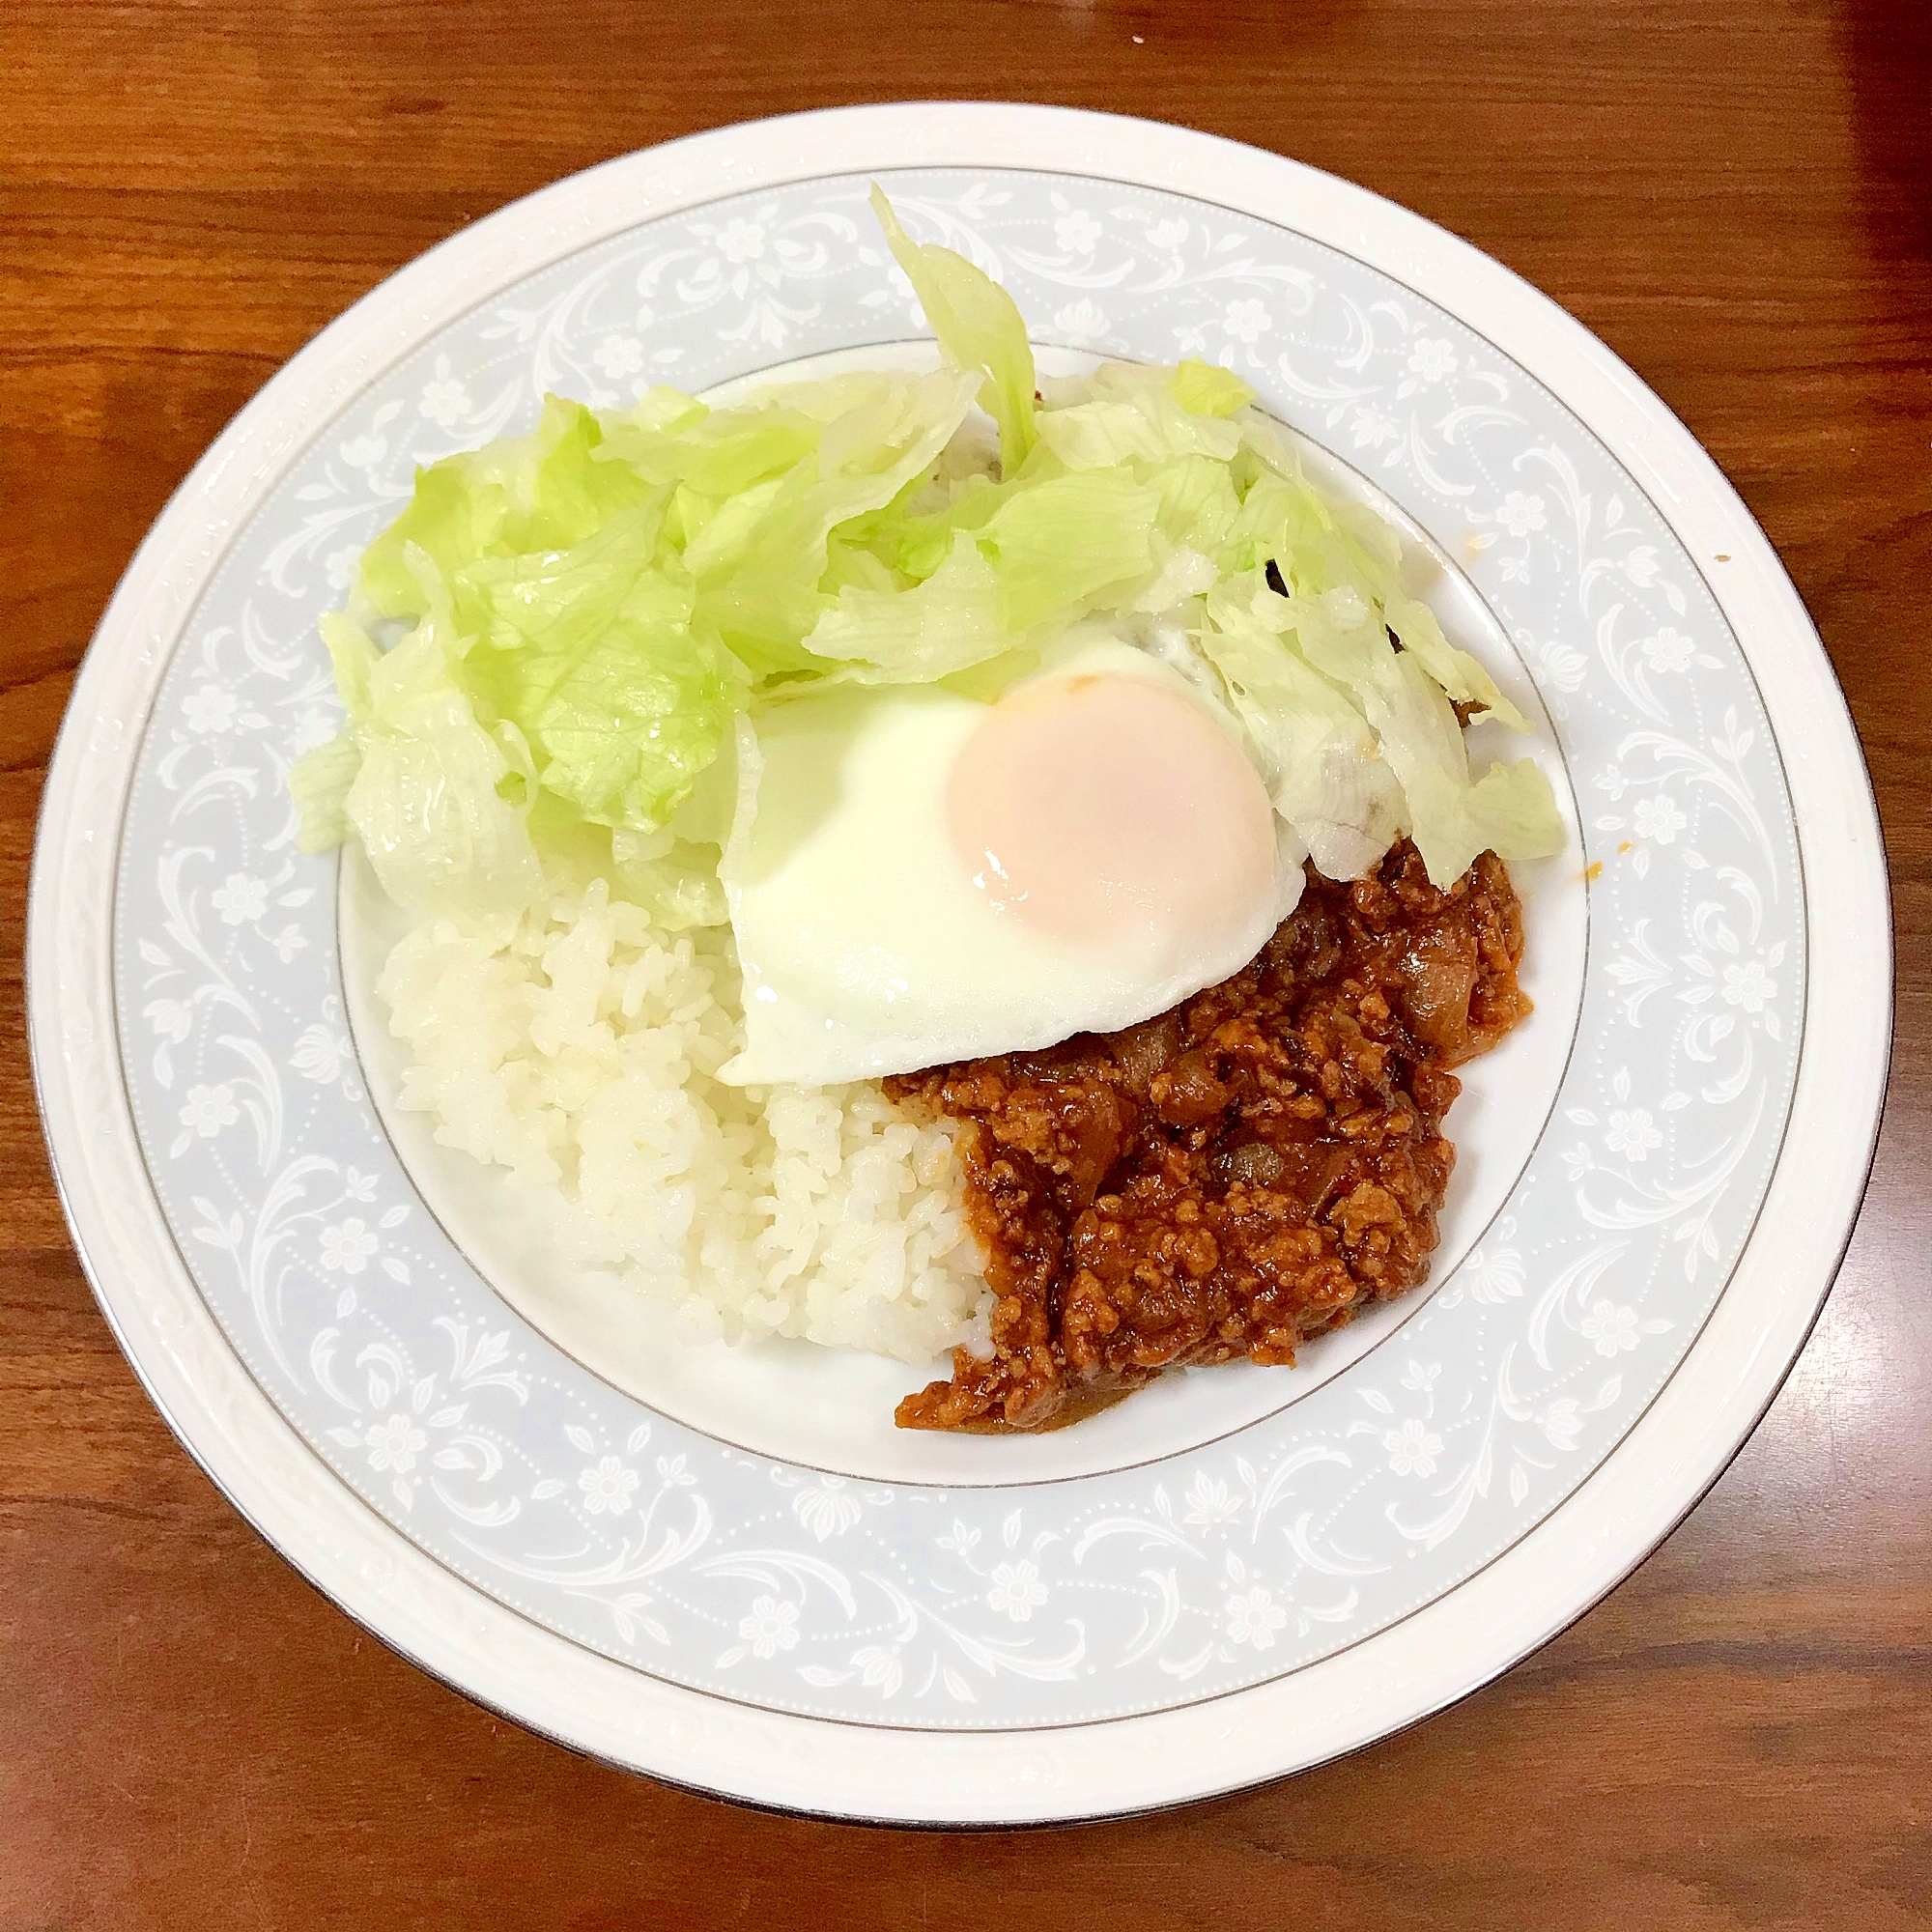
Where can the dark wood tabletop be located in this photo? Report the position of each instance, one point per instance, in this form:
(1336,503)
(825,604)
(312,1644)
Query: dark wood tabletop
(1736,196)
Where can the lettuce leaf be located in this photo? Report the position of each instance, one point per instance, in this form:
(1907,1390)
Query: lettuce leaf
(1152,426)
(979,326)
(1208,390)
(633,719)
(439,802)
(1180,575)
(673,877)
(1453,817)
(1509,810)
(1458,675)
(713,454)
(1060,544)
(319,783)
(545,491)
(1324,768)
(934,630)
(1198,503)
(760,586)
(591,653)
(1201,389)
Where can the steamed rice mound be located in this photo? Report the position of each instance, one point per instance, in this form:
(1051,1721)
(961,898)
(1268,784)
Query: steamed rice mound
(576,1045)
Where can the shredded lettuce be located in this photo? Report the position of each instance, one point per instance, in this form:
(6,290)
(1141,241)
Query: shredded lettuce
(1152,426)
(1452,817)
(1461,677)
(319,783)
(760,586)
(1208,390)
(945,625)
(1199,505)
(550,654)
(1061,545)
(541,492)
(1325,767)
(979,326)
(1180,574)
(438,800)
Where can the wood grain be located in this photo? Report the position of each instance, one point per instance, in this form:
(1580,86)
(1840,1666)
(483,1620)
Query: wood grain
(1737,197)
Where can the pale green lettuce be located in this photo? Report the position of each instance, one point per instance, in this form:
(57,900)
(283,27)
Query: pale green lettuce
(1150,427)
(761,588)
(584,615)
(439,801)
(1452,815)
(979,326)
(1324,764)
(1061,545)
(936,629)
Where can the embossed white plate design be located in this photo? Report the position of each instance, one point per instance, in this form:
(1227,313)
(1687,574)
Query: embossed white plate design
(726,1569)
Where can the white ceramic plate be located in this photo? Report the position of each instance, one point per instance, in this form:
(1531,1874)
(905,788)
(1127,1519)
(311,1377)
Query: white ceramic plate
(725,1568)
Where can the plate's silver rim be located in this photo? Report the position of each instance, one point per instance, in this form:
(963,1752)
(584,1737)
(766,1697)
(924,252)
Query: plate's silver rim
(788,1762)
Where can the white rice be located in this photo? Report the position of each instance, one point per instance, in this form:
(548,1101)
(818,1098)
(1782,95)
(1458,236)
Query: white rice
(576,1047)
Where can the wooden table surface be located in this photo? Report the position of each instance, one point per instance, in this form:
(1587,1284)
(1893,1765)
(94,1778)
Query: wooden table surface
(1736,196)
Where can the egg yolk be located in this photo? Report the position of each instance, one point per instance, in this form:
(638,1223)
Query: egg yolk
(1099,810)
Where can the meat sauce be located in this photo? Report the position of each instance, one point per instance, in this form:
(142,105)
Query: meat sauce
(1238,1174)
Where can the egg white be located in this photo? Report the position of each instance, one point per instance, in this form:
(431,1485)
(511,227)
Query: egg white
(865,946)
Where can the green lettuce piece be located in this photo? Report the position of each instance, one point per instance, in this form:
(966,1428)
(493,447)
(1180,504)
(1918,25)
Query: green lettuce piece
(354,657)
(716,531)
(1266,451)
(934,630)
(1317,542)
(1059,545)
(1459,675)
(1284,521)
(1319,545)
(561,494)
(1205,390)
(1055,539)
(1324,769)
(713,454)
(761,588)
(1201,389)
(626,723)
(1152,426)
(1453,816)
(545,491)
(319,783)
(547,601)
(916,543)
(850,565)
(439,802)
(979,326)
(1198,503)
(591,653)
(1508,810)
(674,879)
(1180,575)
(452,516)
(679,889)
(660,407)
(1364,550)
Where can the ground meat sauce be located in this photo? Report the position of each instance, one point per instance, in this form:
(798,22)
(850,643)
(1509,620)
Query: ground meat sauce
(1238,1173)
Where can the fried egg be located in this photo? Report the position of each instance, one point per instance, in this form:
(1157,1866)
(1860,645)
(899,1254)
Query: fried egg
(917,877)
